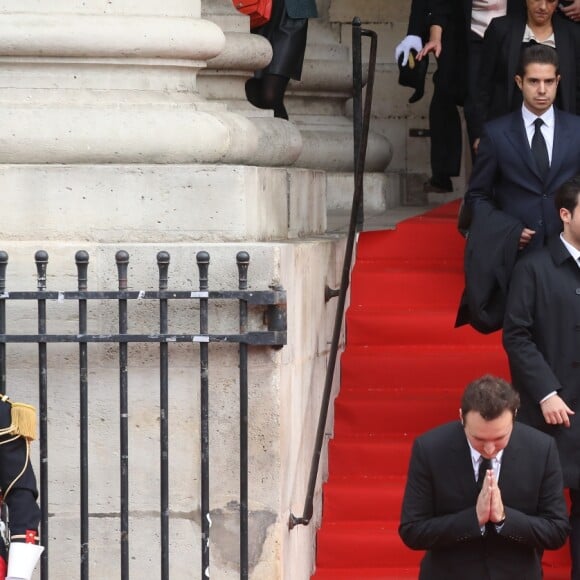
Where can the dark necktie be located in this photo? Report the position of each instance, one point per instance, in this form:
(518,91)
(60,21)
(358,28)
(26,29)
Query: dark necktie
(540,150)
(484,465)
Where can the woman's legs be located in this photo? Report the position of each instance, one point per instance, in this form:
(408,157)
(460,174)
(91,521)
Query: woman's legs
(267,92)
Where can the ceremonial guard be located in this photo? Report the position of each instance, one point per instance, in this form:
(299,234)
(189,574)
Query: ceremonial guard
(20,550)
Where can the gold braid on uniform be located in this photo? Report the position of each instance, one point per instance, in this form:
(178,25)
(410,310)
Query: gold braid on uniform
(22,420)
(22,424)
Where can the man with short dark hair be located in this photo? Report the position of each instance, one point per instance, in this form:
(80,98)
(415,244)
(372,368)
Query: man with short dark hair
(484,495)
(509,173)
(541,336)
(522,159)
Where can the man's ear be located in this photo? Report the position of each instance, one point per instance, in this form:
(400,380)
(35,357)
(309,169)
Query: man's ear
(519,81)
(565,215)
(461,416)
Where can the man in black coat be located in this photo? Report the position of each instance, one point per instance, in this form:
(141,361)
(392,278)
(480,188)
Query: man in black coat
(448,93)
(541,336)
(484,495)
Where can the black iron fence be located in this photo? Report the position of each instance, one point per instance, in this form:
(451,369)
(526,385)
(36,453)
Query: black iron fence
(269,303)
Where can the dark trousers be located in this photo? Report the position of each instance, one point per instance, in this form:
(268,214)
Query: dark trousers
(469,110)
(448,96)
(445,130)
(575,533)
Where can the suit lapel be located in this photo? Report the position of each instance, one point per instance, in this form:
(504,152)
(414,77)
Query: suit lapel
(509,472)
(516,135)
(559,149)
(464,465)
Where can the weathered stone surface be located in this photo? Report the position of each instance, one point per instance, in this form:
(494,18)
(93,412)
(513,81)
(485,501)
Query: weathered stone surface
(369,11)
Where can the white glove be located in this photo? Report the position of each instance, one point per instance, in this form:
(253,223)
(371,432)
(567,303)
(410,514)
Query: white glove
(22,559)
(408,43)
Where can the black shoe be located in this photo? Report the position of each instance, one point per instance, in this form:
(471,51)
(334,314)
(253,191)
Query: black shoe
(438,185)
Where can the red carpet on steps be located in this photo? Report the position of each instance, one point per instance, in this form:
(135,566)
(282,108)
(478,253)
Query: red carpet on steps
(403,371)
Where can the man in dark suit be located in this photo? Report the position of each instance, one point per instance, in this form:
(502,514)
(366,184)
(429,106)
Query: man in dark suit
(507,175)
(518,168)
(496,532)
(497,93)
(542,339)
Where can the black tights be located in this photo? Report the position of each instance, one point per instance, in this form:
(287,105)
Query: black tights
(267,92)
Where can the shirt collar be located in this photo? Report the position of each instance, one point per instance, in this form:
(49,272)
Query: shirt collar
(573,251)
(529,35)
(529,117)
(476,455)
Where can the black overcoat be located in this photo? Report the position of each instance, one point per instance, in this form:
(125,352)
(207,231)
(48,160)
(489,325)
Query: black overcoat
(541,336)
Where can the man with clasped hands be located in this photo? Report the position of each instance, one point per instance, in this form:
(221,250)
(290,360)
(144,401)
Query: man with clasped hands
(484,495)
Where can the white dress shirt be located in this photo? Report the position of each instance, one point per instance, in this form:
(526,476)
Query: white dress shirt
(547,128)
(476,459)
(573,251)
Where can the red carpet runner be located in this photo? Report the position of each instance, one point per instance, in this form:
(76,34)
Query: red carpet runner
(403,372)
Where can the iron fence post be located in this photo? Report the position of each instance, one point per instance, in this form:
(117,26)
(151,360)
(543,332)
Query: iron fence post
(41,259)
(163,259)
(243,261)
(203,267)
(82,262)
(122,259)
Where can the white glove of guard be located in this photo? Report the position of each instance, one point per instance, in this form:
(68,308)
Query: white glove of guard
(22,559)
(410,42)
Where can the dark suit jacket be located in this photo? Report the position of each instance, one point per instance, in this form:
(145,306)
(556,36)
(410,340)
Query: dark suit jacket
(454,16)
(419,19)
(542,339)
(505,175)
(497,92)
(438,513)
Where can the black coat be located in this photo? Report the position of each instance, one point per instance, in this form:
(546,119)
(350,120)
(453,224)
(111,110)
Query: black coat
(497,92)
(490,255)
(419,19)
(541,336)
(438,513)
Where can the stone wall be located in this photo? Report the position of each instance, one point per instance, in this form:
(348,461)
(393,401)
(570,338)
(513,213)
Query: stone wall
(124,126)
(107,143)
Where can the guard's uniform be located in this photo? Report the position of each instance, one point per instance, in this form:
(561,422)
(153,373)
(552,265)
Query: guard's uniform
(18,488)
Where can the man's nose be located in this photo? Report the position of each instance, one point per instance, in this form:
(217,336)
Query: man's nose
(489,448)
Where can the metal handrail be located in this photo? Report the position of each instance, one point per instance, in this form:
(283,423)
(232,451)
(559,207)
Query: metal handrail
(361,131)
